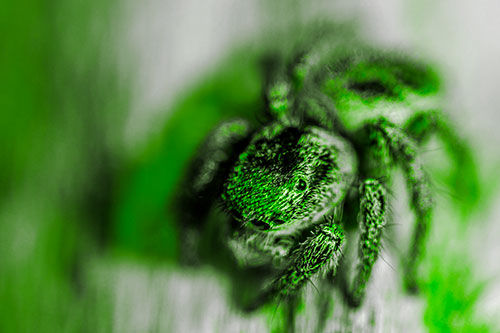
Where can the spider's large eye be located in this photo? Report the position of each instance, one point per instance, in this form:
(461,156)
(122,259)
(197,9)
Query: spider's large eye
(301,185)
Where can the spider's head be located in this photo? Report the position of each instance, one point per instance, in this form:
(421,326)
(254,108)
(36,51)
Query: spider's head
(288,175)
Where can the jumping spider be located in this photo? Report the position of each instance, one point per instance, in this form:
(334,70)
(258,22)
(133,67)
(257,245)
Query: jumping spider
(338,120)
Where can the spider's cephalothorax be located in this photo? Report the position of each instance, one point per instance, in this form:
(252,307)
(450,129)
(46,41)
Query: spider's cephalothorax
(339,119)
(287,179)
(288,175)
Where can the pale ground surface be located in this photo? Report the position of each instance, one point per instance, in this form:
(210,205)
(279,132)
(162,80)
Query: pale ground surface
(174,41)
(170,299)
(178,301)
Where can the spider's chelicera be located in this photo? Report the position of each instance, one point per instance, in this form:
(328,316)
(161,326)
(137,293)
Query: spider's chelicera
(338,122)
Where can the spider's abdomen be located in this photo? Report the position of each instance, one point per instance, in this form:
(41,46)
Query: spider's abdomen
(365,86)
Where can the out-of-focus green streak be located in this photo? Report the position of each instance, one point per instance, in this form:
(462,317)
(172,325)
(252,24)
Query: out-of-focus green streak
(24,93)
(453,281)
(58,102)
(452,292)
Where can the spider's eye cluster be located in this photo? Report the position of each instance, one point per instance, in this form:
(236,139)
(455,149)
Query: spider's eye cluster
(301,185)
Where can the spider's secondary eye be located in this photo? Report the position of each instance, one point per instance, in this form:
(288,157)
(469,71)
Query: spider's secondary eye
(301,185)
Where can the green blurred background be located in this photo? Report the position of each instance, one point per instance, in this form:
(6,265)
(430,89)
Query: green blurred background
(102,103)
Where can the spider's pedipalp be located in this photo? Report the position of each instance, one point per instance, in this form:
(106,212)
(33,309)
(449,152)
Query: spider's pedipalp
(318,254)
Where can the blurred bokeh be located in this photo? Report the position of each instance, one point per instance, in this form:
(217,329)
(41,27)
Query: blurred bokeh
(102,104)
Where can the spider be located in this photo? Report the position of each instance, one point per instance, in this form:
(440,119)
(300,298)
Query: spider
(338,120)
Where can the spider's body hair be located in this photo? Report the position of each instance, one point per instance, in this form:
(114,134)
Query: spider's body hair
(264,184)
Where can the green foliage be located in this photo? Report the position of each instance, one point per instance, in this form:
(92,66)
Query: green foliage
(52,109)
(452,293)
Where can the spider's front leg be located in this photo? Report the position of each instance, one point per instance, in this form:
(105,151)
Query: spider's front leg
(404,151)
(372,219)
(318,254)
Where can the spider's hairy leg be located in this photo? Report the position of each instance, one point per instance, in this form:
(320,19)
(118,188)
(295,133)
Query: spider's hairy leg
(372,219)
(205,178)
(313,105)
(464,178)
(377,159)
(318,254)
(404,150)
(277,88)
